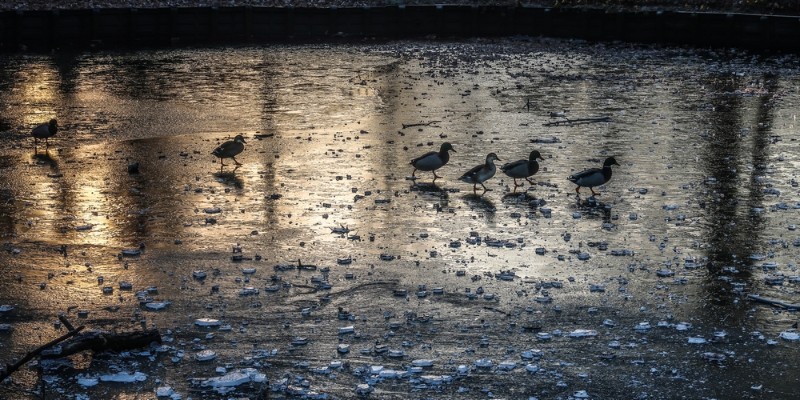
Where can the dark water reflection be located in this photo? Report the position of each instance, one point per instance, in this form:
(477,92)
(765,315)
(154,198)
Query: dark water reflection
(701,205)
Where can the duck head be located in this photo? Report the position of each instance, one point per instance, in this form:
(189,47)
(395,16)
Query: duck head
(239,138)
(535,155)
(53,126)
(609,162)
(446,146)
(492,157)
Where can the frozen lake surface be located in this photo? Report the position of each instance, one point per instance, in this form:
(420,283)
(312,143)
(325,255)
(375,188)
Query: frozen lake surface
(318,270)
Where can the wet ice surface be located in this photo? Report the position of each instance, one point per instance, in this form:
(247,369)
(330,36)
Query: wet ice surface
(316,269)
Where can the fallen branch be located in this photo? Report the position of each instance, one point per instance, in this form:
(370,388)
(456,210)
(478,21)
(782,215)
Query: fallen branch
(99,341)
(773,302)
(420,124)
(578,121)
(10,369)
(495,310)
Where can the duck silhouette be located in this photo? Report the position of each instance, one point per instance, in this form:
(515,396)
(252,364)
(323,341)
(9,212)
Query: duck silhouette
(523,169)
(593,176)
(44,131)
(230,149)
(481,173)
(433,160)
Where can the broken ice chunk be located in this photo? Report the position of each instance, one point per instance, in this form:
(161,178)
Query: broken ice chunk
(582,333)
(164,391)
(206,322)
(236,378)
(642,327)
(87,381)
(790,335)
(422,363)
(156,305)
(124,377)
(205,355)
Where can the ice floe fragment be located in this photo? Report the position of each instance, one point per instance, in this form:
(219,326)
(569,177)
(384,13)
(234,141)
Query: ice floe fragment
(124,377)
(205,355)
(790,335)
(207,322)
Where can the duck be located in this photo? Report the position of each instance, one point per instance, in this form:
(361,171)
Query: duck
(593,176)
(230,149)
(523,169)
(481,173)
(44,131)
(433,160)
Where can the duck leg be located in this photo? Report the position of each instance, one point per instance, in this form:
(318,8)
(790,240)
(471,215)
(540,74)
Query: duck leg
(529,181)
(414,172)
(234,160)
(435,177)
(593,193)
(578,190)
(484,188)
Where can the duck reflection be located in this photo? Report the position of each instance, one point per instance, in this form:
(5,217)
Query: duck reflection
(479,203)
(230,178)
(428,188)
(522,199)
(592,207)
(46,160)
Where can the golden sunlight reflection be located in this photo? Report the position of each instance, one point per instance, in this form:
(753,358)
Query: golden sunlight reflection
(38,83)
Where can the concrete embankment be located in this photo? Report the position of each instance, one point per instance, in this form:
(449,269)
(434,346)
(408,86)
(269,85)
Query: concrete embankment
(146,27)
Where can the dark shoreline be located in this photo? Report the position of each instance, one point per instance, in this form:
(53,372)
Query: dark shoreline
(761,7)
(112,28)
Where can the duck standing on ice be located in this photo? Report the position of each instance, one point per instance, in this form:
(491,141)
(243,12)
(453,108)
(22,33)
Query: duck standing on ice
(230,149)
(481,173)
(593,176)
(433,160)
(523,169)
(44,131)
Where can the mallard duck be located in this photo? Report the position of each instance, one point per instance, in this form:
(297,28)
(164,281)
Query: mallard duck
(433,160)
(593,176)
(481,173)
(523,169)
(44,131)
(230,149)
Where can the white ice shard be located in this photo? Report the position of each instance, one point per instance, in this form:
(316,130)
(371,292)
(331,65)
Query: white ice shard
(790,335)
(205,355)
(206,322)
(236,378)
(164,391)
(124,377)
(581,333)
(422,363)
(87,381)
